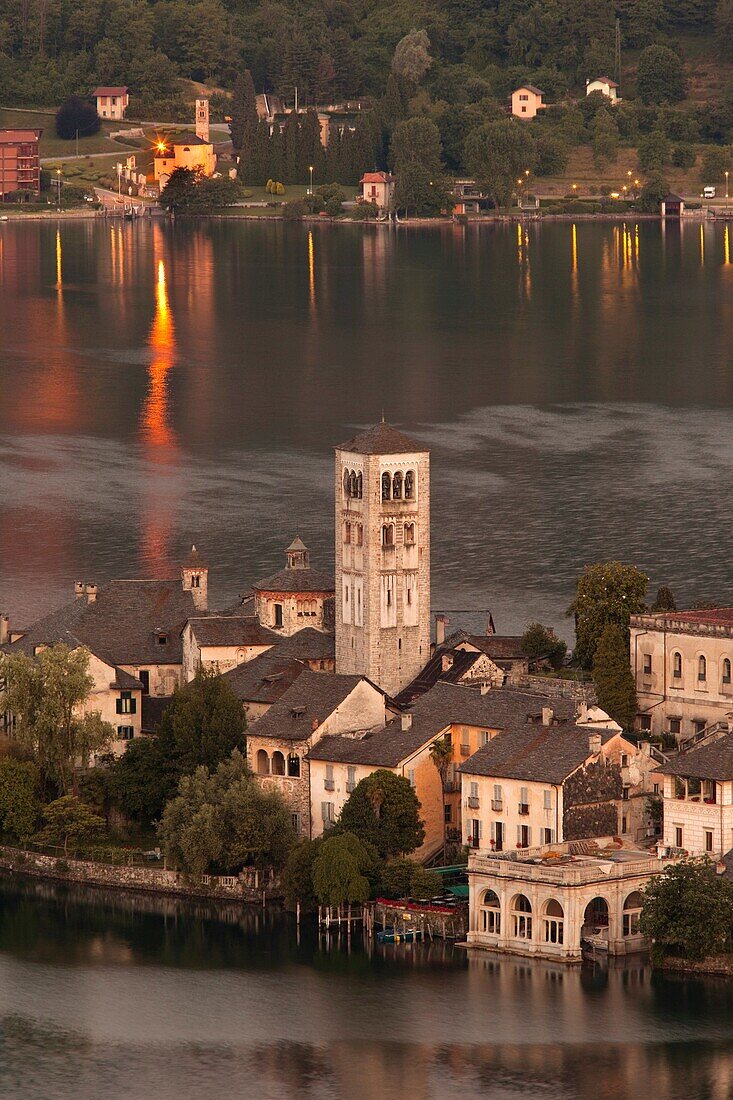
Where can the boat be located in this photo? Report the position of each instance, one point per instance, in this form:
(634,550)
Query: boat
(390,936)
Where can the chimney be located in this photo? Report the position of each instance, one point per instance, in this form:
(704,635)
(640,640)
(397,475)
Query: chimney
(440,621)
(79,588)
(446,662)
(547,715)
(406,720)
(91,592)
(485,687)
(594,743)
(4,628)
(314,724)
(582,713)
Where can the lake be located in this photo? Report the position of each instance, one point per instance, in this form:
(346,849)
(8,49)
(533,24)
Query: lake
(162,384)
(109,994)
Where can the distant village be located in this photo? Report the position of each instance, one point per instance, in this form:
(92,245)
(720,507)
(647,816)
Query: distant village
(566,817)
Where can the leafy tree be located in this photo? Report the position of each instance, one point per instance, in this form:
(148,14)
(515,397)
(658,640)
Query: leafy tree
(403,878)
(339,870)
(542,641)
(46,694)
(76,116)
(612,676)
(189,191)
(605,139)
(20,804)
(654,152)
(441,755)
(142,780)
(608,592)
(384,811)
(715,163)
(688,911)
(652,193)
(552,156)
(416,158)
(664,600)
(661,76)
(298,875)
(412,56)
(498,154)
(393,105)
(68,820)
(724,27)
(683,156)
(203,723)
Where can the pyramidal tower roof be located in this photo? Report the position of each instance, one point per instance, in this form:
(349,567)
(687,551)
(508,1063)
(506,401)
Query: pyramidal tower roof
(382,439)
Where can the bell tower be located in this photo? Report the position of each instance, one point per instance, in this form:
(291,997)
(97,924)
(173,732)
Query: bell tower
(195,579)
(382,483)
(202,119)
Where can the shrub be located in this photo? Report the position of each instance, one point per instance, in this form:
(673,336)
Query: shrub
(61,866)
(334,207)
(294,210)
(366,211)
(683,156)
(76,116)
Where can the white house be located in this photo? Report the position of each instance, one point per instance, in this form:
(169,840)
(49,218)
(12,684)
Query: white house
(604,85)
(378,187)
(698,797)
(527,101)
(112,102)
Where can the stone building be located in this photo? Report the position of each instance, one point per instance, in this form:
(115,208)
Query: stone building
(296,596)
(382,492)
(697,789)
(221,642)
(185,150)
(682,662)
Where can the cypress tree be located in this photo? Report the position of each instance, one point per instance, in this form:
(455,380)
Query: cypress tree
(665,600)
(290,136)
(612,676)
(309,149)
(236,126)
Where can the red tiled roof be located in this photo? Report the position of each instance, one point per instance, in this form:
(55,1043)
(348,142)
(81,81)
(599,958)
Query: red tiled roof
(376,177)
(109,91)
(11,136)
(605,80)
(714,615)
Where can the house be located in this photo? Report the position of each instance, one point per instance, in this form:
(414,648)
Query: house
(185,150)
(672,206)
(546,781)
(527,101)
(20,167)
(469,197)
(604,85)
(313,707)
(378,187)
(698,797)
(314,648)
(221,642)
(682,666)
(296,596)
(112,102)
(262,681)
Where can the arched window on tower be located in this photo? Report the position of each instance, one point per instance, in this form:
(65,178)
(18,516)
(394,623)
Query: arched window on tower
(397,486)
(352,485)
(346,483)
(386,487)
(410,485)
(409,534)
(388,534)
(359,486)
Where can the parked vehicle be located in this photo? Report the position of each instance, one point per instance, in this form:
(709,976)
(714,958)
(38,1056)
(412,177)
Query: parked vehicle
(708,192)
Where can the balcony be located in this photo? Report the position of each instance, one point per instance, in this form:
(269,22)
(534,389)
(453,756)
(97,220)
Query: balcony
(329,784)
(473,802)
(523,809)
(497,805)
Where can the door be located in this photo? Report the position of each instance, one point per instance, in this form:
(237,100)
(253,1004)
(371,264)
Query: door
(475,832)
(499,834)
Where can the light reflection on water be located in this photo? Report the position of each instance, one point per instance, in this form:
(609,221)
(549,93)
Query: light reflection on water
(166,384)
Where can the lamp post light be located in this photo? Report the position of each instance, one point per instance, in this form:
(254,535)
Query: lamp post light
(726,186)
(310,187)
(636,187)
(58,187)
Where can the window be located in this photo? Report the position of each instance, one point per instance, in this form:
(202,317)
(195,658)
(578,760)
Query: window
(625,790)
(347,534)
(473,799)
(350,778)
(548,836)
(631,914)
(411,777)
(359,486)
(447,813)
(294,765)
(678,836)
(677,666)
(553,923)
(410,485)
(497,802)
(195,580)
(387,534)
(278,615)
(126,704)
(708,840)
(386,486)
(522,918)
(645,721)
(327,813)
(490,913)
(125,733)
(523,800)
(262,762)
(698,724)
(329,783)
(547,799)
(295,819)
(702,669)
(409,535)
(524,836)
(278,763)
(624,823)
(647,664)
(162,639)
(144,678)
(726,670)
(624,760)
(523,98)
(675,725)
(397,486)
(483,738)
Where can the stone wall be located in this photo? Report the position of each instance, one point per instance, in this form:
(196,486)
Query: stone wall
(589,801)
(553,686)
(248,886)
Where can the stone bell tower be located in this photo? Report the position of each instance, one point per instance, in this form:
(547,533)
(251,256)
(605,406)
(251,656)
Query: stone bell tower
(195,579)
(382,557)
(202,119)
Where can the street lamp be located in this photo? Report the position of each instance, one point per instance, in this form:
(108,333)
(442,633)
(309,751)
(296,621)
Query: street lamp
(310,188)
(726,186)
(58,185)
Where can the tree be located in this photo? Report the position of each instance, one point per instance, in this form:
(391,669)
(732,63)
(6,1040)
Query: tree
(652,193)
(608,592)
(441,754)
(498,154)
(715,163)
(298,875)
(661,76)
(654,151)
(416,159)
(605,139)
(20,804)
(46,694)
(412,56)
(142,780)
(69,820)
(384,811)
(403,878)
(688,911)
(76,116)
(664,600)
(612,676)
(189,191)
(542,641)
(339,870)
(724,27)
(202,725)
(245,119)
(552,156)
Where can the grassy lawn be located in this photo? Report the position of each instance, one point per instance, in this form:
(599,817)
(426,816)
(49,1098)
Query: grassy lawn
(54,146)
(582,171)
(99,170)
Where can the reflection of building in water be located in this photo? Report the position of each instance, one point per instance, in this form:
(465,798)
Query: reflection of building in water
(156,412)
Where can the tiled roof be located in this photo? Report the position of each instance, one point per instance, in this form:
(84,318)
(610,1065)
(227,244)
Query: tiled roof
(432,672)
(308,644)
(382,439)
(714,615)
(530,88)
(312,698)
(232,630)
(711,761)
(121,90)
(506,647)
(605,80)
(296,580)
(123,681)
(376,177)
(10,136)
(152,711)
(122,625)
(264,679)
(535,753)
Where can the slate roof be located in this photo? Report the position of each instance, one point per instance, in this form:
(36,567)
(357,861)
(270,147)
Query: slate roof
(152,711)
(443,705)
(123,681)
(264,679)
(535,753)
(308,644)
(296,580)
(711,761)
(120,625)
(314,695)
(500,647)
(530,88)
(382,439)
(432,672)
(232,630)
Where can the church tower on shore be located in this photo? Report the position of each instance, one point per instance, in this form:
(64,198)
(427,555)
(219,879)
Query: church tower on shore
(382,557)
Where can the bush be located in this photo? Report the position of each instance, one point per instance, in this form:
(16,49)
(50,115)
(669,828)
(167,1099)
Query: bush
(365,211)
(334,207)
(294,210)
(714,164)
(683,156)
(76,116)
(61,866)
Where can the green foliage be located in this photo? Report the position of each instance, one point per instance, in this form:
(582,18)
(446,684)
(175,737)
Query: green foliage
(298,875)
(715,163)
(688,911)
(189,191)
(224,819)
(141,781)
(683,156)
(660,77)
(664,600)
(403,878)
(612,676)
(243,126)
(498,154)
(20,804)
(552,155)
(76,117)
(340,870)
(365,211)
(45,693)
(68,820)
(654,151)
(608,592)
(203,723)
(416,158)
(605,138)
(542,641)
(652,193)
(412,56)
(384,811)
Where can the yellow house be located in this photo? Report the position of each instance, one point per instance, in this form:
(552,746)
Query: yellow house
(183,151)
(527,101)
